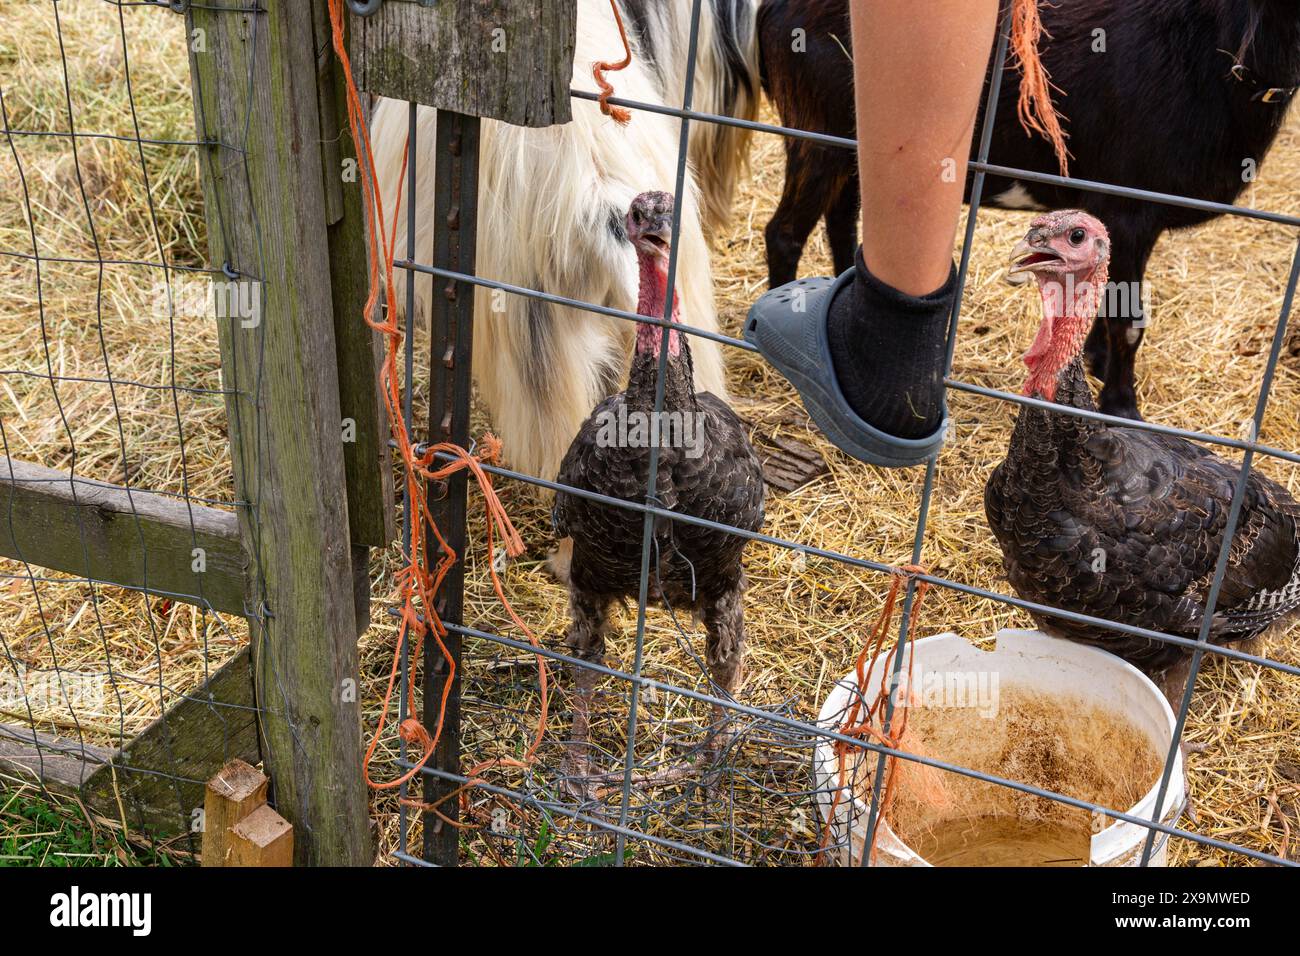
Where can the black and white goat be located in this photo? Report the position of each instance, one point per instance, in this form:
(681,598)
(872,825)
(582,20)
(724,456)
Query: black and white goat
(551,212)
(1172,96)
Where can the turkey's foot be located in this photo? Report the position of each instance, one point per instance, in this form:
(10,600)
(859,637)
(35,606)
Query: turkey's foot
(701,763)
(723,735)
(723,741)
(666,776)
(699,769)
(576,780)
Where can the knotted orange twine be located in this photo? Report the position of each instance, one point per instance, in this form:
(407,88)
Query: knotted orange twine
(870,726)
(1037,112)
(417,585)
(616,113)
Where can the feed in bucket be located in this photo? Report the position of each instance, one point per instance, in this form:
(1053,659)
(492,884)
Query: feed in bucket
(1060,717)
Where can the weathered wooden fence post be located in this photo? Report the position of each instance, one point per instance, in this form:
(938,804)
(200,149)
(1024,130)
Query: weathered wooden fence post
(257,99)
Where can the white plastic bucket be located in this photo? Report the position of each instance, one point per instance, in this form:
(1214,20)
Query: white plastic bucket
(1037,662)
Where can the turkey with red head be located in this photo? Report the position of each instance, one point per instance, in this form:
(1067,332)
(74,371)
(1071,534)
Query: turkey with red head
(1120,523)
(706,468)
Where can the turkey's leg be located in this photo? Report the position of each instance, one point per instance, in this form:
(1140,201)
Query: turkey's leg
(586,640)
(1173,682)
(558,561)
(725,619)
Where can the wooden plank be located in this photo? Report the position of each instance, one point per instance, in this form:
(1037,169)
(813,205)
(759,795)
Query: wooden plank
(158,778)
(57,764)
(255,94)
(263,838)
(109,533)
(235,791)
(509,60)
(366,458)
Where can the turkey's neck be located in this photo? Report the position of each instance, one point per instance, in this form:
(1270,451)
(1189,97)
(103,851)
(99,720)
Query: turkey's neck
(1044,440)
(652,296)
(652,293)
(1069,309)
(1051,451)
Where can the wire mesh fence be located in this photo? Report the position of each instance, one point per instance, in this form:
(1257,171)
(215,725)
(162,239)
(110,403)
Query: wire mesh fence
(761,800)
(141,651)
(115,467)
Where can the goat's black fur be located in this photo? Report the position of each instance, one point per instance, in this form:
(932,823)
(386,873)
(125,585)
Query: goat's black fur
(1159,109)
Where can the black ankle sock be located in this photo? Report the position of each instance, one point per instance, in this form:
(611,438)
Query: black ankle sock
(888,348)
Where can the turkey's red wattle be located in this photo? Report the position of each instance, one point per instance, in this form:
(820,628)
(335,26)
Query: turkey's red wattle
(1069,308)
(650,302)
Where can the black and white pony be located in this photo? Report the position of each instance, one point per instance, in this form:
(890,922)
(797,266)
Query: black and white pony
(552,203)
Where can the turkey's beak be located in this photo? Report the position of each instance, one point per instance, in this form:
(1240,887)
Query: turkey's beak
(1028,257)
(657,236)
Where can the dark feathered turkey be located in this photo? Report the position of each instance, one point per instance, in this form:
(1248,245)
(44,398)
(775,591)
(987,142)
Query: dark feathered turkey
(1118,523)
(706,468)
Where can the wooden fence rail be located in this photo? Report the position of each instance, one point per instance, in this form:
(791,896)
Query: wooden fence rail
(183,551)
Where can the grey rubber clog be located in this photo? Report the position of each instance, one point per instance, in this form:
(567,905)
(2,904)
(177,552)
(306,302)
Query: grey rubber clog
(789,329)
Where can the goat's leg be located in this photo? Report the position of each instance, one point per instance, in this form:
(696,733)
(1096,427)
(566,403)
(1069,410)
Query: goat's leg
(1095,347)
(804,199)
(586,640)
(1118,394)
(842,224)
(1126,320)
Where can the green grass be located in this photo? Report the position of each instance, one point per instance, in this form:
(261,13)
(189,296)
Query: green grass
(37,832)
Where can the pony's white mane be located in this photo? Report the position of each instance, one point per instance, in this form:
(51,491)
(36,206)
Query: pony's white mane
(550,218)
(726,84)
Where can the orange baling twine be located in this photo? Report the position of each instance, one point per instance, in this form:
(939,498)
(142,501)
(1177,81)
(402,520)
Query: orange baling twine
(871,725)
(616,113)
(415,580)
(1036,110)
